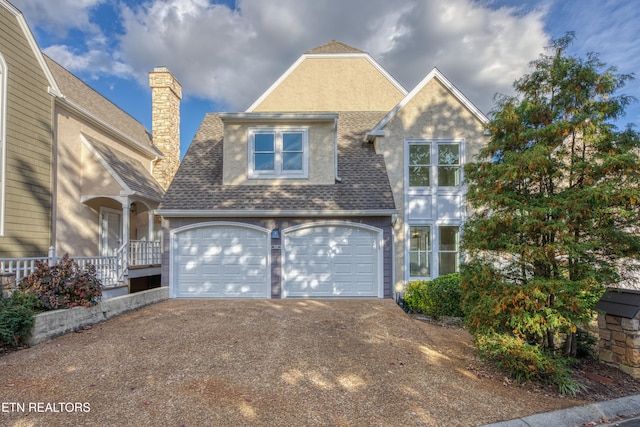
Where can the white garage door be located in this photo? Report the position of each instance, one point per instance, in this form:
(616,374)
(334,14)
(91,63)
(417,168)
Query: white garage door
(217,261)
(330,261)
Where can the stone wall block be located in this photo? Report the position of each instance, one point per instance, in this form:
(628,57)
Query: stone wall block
(602,321)
(630,324)
(631,370)
(606,355)
(633,357)
(619,336)
(619,349)
(8,284)
(633,341)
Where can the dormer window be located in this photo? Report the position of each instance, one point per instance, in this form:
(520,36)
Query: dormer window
(281,152)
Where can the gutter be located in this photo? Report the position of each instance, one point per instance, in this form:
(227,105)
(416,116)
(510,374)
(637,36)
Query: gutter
(277,117)
(244,213)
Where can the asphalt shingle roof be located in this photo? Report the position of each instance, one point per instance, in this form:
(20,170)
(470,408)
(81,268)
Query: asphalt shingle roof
(365,185)
(131,171)
(78,92)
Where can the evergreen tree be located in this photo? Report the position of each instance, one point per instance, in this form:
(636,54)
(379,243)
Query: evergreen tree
(555,200)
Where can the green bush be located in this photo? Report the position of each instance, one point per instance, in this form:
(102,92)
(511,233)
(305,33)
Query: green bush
(527,362)
(438,297)
(63,285)
(16,317)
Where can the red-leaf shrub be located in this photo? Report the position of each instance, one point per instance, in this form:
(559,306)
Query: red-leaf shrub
(64,285)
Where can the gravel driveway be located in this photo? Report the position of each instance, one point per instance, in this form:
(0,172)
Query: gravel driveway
(345,362)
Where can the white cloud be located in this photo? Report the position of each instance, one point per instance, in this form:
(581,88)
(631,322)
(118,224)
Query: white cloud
(59,16)
(231,56)
(94,62)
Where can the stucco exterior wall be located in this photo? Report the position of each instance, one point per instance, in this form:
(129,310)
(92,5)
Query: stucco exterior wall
(347,84)
(434,112)
(80,174)
(321,154)
(28,146)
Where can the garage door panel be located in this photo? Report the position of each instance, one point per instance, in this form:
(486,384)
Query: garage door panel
(221,261)
(336,260)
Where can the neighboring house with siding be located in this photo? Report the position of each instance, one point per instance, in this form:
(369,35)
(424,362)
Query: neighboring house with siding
(82,176)
(26,154)
(336,182)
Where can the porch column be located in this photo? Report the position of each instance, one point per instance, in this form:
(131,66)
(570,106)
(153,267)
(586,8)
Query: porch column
(126,220)
(151,217)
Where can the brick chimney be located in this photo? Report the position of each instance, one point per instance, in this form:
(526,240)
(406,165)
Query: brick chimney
(166,93)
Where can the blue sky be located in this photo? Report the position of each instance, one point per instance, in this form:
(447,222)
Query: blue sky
(226,53)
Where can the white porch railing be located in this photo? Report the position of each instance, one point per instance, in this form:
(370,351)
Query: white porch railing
(144,253)
(111,270)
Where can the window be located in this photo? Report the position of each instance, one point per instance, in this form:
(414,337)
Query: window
(448,250)
(419,165)
(448,164)
(278,152)
(419,251)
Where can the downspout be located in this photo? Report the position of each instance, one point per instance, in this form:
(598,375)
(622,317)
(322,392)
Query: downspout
(335,157)
(54,173)
(151,166)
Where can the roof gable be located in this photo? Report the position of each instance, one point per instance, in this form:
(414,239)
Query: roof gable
(129,173)
(334,70)
(378,130)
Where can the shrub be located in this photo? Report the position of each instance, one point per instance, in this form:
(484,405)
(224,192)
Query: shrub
(525,361)
(64,285)
(438,297)
(16,317)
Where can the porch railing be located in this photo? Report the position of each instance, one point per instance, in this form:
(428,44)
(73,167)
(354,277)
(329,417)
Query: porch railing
(111,270)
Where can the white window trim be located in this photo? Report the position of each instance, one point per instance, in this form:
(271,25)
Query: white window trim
(3,140)
(278,172)
(433,174)
(434,261)
(408,251)
(432,191)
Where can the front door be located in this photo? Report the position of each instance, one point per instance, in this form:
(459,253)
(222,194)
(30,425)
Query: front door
(110,231)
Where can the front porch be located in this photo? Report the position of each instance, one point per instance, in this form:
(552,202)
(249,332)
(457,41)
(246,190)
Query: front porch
(135,260)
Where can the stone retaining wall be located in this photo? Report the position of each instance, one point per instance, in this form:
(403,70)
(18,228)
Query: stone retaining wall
(7,284)
(51,324)
(619,342)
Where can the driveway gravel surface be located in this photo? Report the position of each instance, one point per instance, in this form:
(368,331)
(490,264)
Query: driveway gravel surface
(342,362)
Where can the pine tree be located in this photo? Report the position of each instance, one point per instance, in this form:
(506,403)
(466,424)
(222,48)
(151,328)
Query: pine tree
(555,197)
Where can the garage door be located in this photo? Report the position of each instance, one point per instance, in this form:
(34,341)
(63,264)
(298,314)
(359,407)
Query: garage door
(330,261)
(216,261)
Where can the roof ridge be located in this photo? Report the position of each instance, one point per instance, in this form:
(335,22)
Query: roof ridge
(333,47)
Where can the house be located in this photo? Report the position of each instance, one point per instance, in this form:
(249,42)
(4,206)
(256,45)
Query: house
(335,182)
(79,175)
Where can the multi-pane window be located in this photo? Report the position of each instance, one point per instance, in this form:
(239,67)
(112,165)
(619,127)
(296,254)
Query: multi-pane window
(448,250)
(447,166)
(264,152)
(277,152)
(419,165)
(292,151)
(419,251)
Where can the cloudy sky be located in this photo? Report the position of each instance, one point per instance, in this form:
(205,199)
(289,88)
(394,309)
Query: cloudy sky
(225,53)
